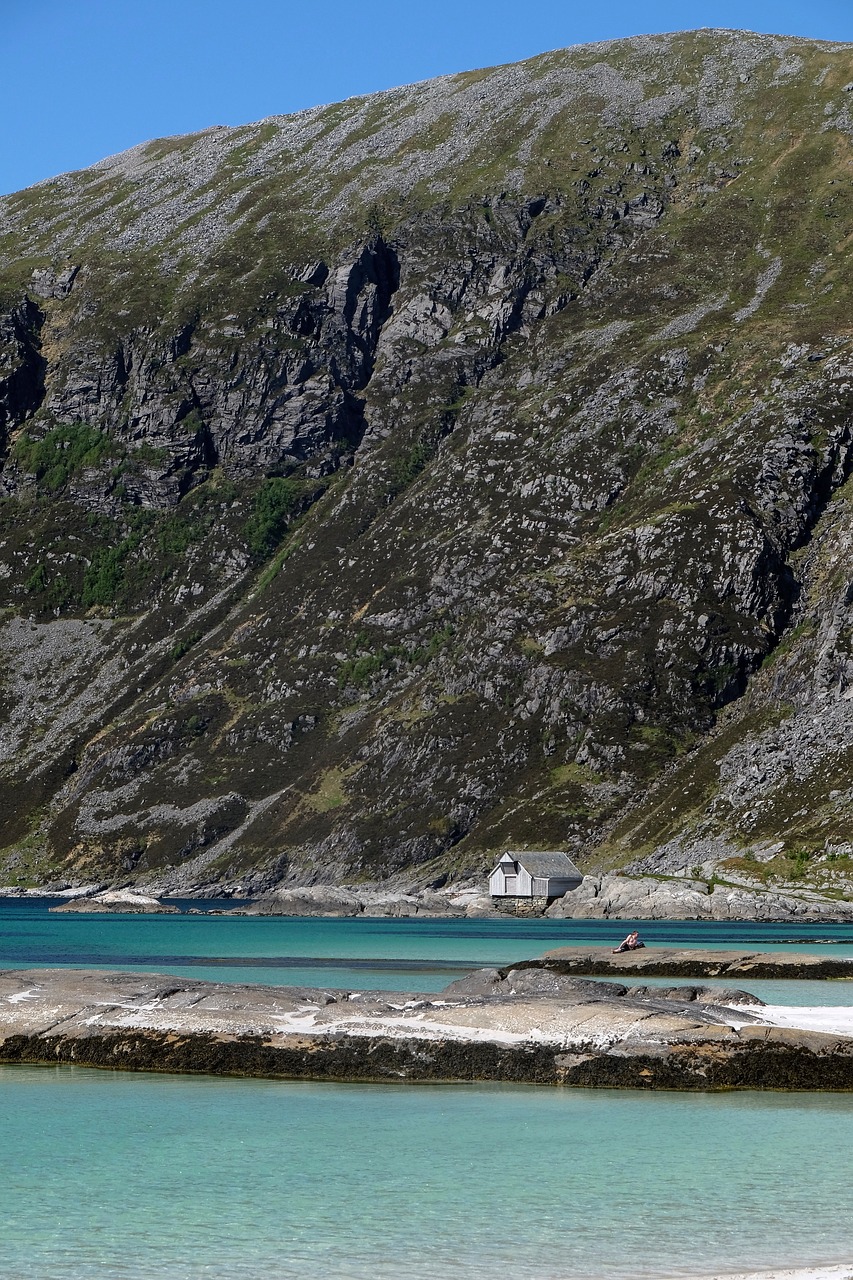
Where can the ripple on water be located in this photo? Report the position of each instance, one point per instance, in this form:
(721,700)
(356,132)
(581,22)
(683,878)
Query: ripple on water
(169,1178)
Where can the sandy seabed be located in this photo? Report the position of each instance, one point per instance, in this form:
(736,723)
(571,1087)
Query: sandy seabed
(844,1272)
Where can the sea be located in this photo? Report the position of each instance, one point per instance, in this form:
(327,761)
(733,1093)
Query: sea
(122,1176)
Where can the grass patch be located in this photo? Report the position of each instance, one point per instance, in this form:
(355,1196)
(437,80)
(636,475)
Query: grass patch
(789,642)
(574,774)
(330,793)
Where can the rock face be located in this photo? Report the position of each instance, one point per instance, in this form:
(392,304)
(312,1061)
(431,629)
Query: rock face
(553,1031)
(645,898)
(458,468)
(609,897)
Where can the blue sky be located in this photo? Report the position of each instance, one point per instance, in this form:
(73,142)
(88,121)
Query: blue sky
(85,78)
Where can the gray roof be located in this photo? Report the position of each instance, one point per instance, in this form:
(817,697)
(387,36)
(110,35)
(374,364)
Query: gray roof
(558,866)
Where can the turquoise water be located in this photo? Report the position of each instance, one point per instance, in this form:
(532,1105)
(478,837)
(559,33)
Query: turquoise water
(108,1176)
(360,954)
(135,1177)
(771,991)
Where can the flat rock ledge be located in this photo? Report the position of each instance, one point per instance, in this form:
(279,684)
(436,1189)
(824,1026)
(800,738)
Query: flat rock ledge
(666,962)
(520,1025)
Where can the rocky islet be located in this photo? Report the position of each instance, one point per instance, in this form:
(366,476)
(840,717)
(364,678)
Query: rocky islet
(533,1023)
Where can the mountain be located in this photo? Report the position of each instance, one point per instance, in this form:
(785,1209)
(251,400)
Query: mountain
(460,467)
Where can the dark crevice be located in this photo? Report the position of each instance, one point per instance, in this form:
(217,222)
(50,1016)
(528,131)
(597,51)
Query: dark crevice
(773,565)
(22,390)
(835,472)
(377,268)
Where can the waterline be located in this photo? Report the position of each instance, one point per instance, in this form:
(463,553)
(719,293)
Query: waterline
(360,953)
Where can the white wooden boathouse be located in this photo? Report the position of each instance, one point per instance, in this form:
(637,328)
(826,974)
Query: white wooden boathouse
(534,875)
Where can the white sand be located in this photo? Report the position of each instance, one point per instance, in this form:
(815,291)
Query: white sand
(835,1020)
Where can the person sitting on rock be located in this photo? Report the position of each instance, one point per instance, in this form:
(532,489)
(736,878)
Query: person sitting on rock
(631,943)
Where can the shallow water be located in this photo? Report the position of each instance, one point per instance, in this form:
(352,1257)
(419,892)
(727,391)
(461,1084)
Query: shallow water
(109,1176)
(785,991)
(139,1177)
(360,953)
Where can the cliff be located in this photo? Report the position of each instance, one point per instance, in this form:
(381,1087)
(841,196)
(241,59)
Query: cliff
(458,467)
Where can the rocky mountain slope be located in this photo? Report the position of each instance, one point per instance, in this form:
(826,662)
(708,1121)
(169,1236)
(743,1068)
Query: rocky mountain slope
(458,467)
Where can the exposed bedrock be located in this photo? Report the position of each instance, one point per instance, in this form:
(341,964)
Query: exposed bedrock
(460,468)
(609,897)
(122,902)
(646,898)
(578,1033)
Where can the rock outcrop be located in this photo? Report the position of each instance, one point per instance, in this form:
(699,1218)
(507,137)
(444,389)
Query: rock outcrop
(457,468)
(321,900)
(553,1031)
(665,962)
(646,898)
(123,902)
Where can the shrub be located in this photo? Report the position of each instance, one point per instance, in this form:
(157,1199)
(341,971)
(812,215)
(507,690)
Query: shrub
(275,501)
(195,726)
(176,534)
(184,645)
(55,592)
(38,579)
(801,858)
(61,453)
(435,644)
(360,671)
(104,575)
(407,468)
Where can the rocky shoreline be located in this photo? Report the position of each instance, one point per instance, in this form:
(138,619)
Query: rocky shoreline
(607,897)
(526,1024)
